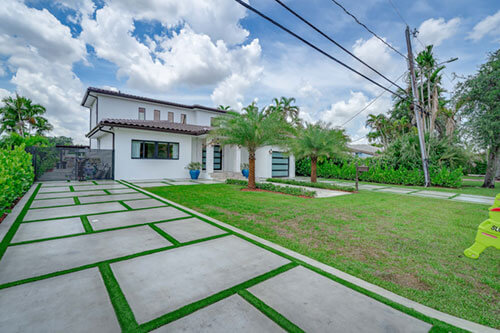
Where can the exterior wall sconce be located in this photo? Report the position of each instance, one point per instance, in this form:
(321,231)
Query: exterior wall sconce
(270,151)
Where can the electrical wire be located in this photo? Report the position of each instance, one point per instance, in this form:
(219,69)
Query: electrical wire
(368,105)
(368,29)
(333,41)
(313,46)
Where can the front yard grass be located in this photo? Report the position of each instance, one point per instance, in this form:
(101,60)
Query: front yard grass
(412,246)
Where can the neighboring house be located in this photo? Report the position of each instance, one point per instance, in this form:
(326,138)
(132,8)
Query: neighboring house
(363,150)
(157,139)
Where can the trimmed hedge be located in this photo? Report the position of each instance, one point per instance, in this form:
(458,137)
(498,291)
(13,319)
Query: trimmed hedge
(379,173)
(274,188)
(326,186)
(16,176)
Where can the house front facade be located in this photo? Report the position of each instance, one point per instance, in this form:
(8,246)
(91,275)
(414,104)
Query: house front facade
(154,139)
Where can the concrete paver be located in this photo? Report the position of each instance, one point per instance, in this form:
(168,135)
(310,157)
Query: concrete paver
(51,203)
(113,220)
(397,190)
(434,194)
(75,302)
(318,304)
(121,190)
(475,199)
(113,197)
(54,189)
(159,283)
(67,194)
(189,229)
(65,253)
(146,203)
(97,187)
(62,183)
(47,229)
(232,314)
(370,187)
(49,213)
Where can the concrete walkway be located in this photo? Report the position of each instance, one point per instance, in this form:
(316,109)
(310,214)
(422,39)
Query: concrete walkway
(103,256)
(479,199)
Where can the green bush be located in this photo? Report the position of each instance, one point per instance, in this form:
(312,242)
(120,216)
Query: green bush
(274,188)
(16,175)
(380,173)
(326,186)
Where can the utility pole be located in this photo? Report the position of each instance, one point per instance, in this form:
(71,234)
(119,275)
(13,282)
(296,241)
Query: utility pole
(417,109)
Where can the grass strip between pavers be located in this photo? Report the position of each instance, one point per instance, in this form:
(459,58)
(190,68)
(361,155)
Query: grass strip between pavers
(75,199)
(121,202)
(272,314)
(13,228)
(86,224)
(190,308)
(124,313)
(438,324)
(164,234)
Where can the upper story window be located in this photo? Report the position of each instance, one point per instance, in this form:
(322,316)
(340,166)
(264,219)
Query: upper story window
(159,150)
(142,114)
(157,115)
(183,118)
(171,117)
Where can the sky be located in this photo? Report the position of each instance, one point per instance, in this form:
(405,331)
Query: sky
(214,52)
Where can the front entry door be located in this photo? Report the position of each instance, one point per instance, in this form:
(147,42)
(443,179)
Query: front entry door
(217,158)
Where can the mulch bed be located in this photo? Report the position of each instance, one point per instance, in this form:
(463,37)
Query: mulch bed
(259,190)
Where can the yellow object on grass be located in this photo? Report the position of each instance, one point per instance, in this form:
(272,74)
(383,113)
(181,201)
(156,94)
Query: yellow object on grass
(488,233)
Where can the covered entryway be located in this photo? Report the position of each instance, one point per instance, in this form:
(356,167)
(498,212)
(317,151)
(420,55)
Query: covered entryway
(280,165)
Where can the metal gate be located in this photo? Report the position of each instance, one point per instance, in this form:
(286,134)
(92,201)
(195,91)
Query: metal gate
(72,163)
(280,165)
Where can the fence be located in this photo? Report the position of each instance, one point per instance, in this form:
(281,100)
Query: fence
(72,163)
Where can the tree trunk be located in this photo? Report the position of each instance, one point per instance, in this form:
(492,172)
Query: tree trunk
(434,110)
(314,162)
(491,168)
(251,169)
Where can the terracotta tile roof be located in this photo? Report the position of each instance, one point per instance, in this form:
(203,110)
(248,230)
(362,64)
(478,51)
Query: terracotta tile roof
(152,125)
(146,99)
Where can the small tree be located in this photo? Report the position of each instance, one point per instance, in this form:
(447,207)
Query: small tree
(20,115)
(478,102)
(317,141)
(252,129)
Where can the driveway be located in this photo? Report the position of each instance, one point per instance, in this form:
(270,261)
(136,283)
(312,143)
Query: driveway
(104,256)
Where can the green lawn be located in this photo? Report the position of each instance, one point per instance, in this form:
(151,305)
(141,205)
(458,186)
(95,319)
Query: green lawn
(468,187)
(413,247)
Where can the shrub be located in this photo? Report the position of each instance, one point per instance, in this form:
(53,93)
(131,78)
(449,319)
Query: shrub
(274,188)
(380,173)
(326,186)
(16,175)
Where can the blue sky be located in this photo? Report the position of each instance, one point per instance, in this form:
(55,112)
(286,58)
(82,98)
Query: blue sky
(215,52)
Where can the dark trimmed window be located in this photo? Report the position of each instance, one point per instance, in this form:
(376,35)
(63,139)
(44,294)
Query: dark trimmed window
(157,150)
(183,118)
(171,117)
(142,114)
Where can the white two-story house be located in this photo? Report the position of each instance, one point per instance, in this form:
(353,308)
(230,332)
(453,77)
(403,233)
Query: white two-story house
(154,139)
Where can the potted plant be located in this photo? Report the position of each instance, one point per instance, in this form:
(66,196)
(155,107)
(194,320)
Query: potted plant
(194,169)
(244,169)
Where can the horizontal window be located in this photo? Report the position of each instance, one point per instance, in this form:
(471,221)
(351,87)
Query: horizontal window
(155,150)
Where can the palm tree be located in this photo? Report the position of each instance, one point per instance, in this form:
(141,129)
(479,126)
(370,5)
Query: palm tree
(317,141)
(224,107)
(20,115)
(285,106)
(252,128)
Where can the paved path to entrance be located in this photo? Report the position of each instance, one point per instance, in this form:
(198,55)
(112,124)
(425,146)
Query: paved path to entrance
(479,199)
(102,256)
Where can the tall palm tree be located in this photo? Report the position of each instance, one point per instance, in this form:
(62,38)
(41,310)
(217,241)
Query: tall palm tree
(317,141)
(252,128)
(285,106)
(224,107)
(21,115)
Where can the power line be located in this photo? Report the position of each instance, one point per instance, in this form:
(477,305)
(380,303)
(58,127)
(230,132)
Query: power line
(313,46)
(333,41)
(368,29)
(397,12)
(368,105)
(358,139)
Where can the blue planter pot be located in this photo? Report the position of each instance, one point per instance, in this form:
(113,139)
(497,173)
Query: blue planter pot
(245,172)
(194,174)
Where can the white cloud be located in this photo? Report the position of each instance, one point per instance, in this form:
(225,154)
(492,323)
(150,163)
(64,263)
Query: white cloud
(307,90)
(40,53)
(4,93)
(488,26)
(435,31)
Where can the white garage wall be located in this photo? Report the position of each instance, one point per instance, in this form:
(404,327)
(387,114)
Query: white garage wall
(264,161)
(128,168)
